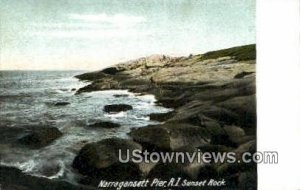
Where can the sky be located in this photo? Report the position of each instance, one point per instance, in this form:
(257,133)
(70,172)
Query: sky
(94,34)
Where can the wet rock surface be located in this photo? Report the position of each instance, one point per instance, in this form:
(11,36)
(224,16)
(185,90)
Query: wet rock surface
(40,137)
(61,103)
(121,95)
(117,108)
(29,136)
(104,124)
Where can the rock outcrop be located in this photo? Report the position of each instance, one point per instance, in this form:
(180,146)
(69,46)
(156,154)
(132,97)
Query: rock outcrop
(214,102)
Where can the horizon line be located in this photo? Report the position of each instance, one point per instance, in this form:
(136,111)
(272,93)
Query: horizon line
(122,62)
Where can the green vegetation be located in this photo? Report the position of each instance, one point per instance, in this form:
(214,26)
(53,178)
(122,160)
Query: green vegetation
(241,53)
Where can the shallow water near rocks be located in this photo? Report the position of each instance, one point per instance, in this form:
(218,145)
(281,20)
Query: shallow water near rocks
(29,98)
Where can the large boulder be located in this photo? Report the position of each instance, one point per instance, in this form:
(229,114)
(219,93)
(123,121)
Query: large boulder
(152,137)
(117,108)
(204,113)
(100,160)
(170,136)
(219,114)
(40,137)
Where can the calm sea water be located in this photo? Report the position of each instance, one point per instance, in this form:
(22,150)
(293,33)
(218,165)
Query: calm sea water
(28,98)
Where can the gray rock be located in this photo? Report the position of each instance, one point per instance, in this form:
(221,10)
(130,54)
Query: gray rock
(40,137)
(61,103)
(120,95)
(100,160)
(117,108)
(104,124)
(170,136)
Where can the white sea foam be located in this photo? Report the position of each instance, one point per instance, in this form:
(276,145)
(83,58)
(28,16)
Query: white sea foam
(146,118)
(26,166)
(72,120)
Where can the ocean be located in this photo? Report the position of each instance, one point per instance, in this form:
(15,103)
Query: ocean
(28,98)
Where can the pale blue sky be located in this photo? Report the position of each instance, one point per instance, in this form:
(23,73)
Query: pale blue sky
(92,34)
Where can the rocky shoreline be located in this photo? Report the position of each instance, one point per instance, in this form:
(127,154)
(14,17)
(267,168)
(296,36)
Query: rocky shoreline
(214,110)
(214,102)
